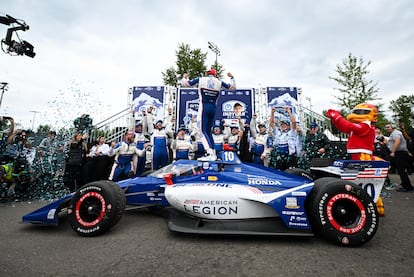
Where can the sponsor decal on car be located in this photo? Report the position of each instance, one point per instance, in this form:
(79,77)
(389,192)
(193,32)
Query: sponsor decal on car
(211,207)
(207,210)
(298,193)
(210,202)
(292,203)
(293,213)
(51,214)
(298,221)
(260,180)
(221,185)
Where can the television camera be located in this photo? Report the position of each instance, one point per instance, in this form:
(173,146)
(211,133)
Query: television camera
(83,123)
(13,47)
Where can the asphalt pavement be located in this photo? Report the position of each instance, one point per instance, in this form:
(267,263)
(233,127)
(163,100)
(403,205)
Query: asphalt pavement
(141,245)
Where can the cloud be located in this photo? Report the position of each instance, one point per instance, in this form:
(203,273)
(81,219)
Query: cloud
(109,46)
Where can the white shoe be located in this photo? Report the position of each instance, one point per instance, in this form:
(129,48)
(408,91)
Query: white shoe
(210,155)
(208,158)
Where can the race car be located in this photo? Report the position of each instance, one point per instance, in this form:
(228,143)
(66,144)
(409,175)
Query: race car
(224,197)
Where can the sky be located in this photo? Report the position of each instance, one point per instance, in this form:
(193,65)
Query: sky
(94,51)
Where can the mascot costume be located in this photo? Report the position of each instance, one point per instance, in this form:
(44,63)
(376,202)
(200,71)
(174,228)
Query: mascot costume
(361,130)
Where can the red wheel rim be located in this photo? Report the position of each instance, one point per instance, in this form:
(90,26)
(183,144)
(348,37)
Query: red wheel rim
(346,213)
(90,209)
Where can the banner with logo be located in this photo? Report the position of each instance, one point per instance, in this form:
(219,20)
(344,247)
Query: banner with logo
(230,104)
(234,103)
(187,106)
(145,97)
(281,97)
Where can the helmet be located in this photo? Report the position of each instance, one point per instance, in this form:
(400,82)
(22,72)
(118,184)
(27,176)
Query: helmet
(363,112)
(211,72)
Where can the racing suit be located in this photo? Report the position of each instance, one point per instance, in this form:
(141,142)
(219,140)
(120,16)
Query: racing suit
(125,160)
(159,143)
(262,145)
(208,92)
(140,140)
(284,149)
(181,147)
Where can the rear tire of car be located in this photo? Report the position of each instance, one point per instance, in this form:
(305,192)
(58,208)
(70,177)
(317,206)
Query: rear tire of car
(342,212)
(299,172)
(96,207)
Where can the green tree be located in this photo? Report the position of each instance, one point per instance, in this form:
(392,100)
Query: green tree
(354,87)
(170,76)
(219,68)
(192,61)
(44,128)
(403,111)
(382,120)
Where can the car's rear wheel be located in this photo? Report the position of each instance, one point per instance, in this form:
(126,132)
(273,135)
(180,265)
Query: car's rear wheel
(299,172)
(96,207)
(342,212)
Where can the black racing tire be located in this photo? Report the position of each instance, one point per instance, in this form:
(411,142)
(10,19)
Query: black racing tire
(299,172)
(96,207)
(342,212)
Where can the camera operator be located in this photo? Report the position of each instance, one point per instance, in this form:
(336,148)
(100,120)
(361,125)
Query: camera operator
(18,156)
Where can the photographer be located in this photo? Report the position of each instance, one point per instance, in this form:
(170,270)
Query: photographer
(381,149)
(17,159)
(75,167)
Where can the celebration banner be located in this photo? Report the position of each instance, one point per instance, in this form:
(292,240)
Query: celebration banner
(187,106)
(281,97)
(230,105)
(145,97)
(234,103)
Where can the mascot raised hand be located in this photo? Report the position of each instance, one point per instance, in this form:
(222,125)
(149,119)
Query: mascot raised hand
(359,125)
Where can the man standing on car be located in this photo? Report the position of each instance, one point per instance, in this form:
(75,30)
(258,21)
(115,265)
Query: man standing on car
(208,92)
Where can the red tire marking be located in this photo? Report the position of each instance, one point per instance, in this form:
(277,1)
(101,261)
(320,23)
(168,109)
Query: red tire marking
(101,212)
(361,222)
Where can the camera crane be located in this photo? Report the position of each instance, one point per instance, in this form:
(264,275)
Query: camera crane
(10,46)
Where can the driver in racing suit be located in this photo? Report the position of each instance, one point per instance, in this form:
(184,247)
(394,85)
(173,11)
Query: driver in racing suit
(208,92)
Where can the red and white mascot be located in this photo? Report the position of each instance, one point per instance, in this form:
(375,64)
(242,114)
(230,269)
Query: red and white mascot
(359,125)
(361,130)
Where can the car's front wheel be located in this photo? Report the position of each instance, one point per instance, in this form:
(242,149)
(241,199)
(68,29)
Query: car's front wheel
(96,207)
(342,212)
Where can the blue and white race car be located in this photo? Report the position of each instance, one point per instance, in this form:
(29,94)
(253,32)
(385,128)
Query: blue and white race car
(225,197)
